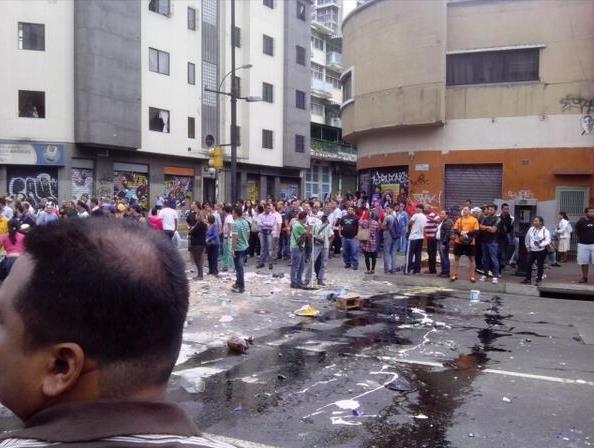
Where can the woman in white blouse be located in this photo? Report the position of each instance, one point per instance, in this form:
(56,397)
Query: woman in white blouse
(564,235)
(537,240)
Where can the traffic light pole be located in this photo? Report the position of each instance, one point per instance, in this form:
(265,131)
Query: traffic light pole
(233,111)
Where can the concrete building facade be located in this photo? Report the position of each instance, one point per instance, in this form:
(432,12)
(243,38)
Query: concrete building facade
(482,100)
(106,97)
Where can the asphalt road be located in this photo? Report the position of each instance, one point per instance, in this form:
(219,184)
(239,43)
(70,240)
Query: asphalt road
(412,369)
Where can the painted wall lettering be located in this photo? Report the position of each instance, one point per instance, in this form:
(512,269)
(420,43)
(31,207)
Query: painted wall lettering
(570,103)
(32,184)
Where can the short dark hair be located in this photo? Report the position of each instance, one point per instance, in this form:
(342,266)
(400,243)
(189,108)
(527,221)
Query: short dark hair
(493,206)
(122,296)
(587,209)
(211,219)
(302,215)
(238,211)
(505,204)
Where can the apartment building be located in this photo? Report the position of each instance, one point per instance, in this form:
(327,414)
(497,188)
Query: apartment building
(455,100)
(107,96)
(333,161)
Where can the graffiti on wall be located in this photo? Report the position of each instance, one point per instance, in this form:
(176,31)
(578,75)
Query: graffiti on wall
(82,184)
(30,185)
(178,188)
(584,105)
(132,186)
(520,195)
(399,176)
(288,190)
(393,181)
(420,181)
(427,197)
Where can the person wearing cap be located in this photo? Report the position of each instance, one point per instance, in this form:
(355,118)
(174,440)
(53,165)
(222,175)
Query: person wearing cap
(46,215)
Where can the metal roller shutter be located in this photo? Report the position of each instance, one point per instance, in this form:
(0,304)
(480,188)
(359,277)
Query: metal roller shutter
(479,183)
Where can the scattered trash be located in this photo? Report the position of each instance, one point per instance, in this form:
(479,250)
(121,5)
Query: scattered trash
(262,312)
(307,311)
(341,421)
(275,290)
(421,417)
(347,404)
(507,400)
(282,376)
(333,295)
(470,434)
(400,385)
(358,412)
(279,275)
(239,345)
(475,295)
(226,318)
(238,408)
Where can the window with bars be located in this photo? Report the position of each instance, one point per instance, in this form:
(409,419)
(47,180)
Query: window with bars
(267,136)
(299,143)
(333,78)
(191,19)
(347,87)
(493,67)
(267,45)
(300,99)
(158,61)
(267,92)
(317,71)
(317,108)
(300,55)
(317,43)
(31,36)
(191,73)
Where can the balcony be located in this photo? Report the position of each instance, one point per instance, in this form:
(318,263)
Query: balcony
(334,60)
(333,151)
(321,88)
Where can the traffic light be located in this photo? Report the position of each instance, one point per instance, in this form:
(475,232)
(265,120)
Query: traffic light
(216,157)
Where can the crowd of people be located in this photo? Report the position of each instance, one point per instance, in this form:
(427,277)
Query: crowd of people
(308,233)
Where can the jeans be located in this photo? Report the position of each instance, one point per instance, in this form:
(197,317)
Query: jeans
(490,254)
(390,248)
(322,253)
(350,252)
(506,245)
(297,265)
(284,249)
(539,257)
(414,255)
(197,255)
(552,257)
(238,262)
(212,252)
(402,242)
(227,255)
(265,248)
(444,257)
(336,243)
(432,253)
(254,244)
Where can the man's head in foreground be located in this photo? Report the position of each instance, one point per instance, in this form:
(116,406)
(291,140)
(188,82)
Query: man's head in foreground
(94,310)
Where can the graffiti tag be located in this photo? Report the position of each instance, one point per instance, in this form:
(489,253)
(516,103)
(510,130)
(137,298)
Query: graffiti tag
(33,188)
(573,102)
(395,177)
(521,194)
(426,197)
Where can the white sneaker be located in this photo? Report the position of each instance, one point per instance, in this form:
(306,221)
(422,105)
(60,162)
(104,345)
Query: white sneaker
(483,278)
(495,280)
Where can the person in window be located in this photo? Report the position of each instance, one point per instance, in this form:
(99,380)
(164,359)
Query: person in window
(537,239)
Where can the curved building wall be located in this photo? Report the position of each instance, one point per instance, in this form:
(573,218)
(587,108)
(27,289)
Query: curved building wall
(531,130)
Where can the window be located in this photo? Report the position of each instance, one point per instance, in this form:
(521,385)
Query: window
(301,11)
(300,99)
(160,6)
(317,71)
(237,85)
(191,127)
(269,3)
(493,66)
(317,43)
(333,78)
(267,92)
(31,36)
(267,139)
(237,37)
(191,19)
(300,56)
(317,108)
(347,87)
(158,61)
(191,73)
(268,45)
(299,143)
(158,120)
(31,104)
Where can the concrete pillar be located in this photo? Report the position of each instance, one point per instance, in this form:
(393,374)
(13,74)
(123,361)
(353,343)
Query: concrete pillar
(263,187)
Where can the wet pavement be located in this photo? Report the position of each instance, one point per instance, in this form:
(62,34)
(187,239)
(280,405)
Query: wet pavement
(411,369)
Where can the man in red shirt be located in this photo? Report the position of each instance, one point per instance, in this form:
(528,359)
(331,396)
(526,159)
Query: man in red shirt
(430,230)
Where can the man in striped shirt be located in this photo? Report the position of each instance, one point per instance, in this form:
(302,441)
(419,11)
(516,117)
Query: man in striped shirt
(91,321)
(429,233)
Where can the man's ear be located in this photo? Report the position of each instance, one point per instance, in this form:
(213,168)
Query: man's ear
(64,367)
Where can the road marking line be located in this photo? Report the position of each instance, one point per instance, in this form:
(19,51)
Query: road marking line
(236,442)
(554,379)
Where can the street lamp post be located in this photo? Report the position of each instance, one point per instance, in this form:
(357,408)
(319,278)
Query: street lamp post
(233,111)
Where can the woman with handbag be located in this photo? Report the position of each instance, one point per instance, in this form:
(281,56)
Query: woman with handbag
(538,244)
(369,246)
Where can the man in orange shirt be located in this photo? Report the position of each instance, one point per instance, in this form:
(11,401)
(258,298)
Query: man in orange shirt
(465,230)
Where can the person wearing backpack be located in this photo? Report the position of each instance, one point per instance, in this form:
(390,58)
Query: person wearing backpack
(392,232)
